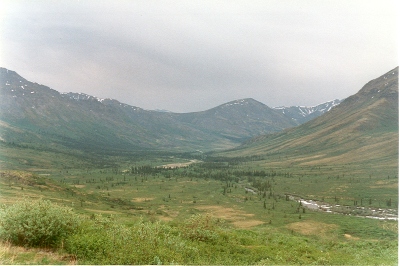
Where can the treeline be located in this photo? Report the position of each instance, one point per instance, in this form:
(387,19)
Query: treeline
(216,170)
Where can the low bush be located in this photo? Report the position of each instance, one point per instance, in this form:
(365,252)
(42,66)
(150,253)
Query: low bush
(202,228)
(200,239)
(37,223)
(102,241)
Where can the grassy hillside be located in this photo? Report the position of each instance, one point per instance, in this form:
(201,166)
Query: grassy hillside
(363,129)
(238,120)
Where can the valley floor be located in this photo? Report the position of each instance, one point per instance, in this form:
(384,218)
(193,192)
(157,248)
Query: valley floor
(244,211)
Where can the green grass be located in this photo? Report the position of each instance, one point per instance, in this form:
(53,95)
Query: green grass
(277,232)
(203,239)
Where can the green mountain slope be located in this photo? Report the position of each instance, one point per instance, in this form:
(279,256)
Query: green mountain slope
(362,129)
(238,120)
(37,116)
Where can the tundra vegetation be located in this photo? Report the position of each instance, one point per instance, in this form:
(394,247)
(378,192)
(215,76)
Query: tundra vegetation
(143,209)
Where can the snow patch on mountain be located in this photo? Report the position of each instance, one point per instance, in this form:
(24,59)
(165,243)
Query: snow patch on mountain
(107,101)
(302,114)
(80,96)
(162,111)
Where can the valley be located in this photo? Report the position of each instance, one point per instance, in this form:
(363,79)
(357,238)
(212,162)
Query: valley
(248,198)
(41,117)
(301,194)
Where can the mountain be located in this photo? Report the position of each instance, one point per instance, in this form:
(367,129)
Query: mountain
(238,120)
(302,114)
(363,129)
(37,116)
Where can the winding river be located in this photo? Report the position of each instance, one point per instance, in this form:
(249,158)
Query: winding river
(359,211)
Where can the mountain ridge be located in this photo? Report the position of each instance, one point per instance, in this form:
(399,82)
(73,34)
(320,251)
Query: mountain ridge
(302,114)
(34,114)
(363,128)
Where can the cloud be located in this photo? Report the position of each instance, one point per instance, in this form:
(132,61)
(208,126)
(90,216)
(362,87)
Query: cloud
(190,56)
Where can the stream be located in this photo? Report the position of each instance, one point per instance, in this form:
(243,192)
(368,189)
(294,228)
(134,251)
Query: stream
(359,211)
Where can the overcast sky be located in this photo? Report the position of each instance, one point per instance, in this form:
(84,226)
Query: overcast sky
(186,56)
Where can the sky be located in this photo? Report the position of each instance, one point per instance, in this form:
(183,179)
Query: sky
(188,56)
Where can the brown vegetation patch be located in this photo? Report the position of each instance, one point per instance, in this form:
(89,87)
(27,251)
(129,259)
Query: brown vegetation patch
(311,227)
(305,159)
(10,254)
(169,213)
(165,218)
(17,195)
(385,184)
(380,147)
(8,200)
(16,180)
(141,199)
(390,225)
(18,177)
(342,188)
(247,223)
(239,218)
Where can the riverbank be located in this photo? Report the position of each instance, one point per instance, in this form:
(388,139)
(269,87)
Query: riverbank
(359,211)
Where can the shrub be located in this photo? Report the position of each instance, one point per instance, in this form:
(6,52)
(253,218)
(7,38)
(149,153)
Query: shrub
(37,223)
(202,228)
(102,241)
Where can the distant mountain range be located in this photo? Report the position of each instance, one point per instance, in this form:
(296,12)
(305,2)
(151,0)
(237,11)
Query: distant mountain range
(363,129)
(38,116)
(302,114)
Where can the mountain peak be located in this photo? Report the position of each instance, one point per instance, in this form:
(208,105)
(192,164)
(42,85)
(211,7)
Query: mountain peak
(242,102)
(302,114)
(37,115)
(362,129)
(383,87)
(387,83)
(7,75)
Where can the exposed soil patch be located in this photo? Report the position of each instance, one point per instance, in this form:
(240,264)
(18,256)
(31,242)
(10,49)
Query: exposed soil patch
(348,236)
(239,218)
(178,165)
(141,199)
(311,227)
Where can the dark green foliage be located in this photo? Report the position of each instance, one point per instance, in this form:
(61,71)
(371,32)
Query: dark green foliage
(37,223)
(200,239)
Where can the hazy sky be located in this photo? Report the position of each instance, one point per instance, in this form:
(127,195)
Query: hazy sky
(194,55)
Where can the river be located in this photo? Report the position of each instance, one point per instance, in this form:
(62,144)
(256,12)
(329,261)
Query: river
(359,211)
